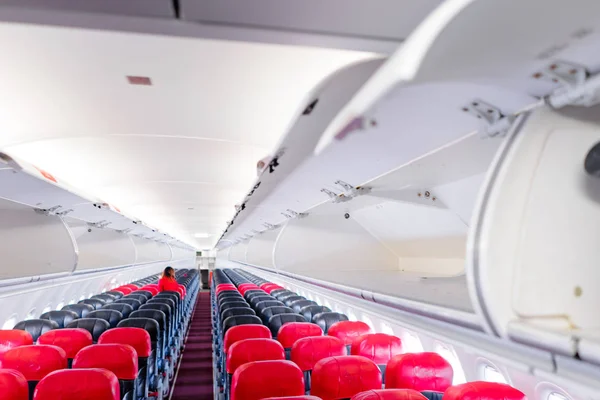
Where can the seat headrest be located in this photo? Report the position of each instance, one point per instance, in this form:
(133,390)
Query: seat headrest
(168,302)
(95,326)
(111,316)
(137,338)
(233,303)
(419,371)
(257,299)
(152,289)
(70,340)
(82,310)
(289,333)
(262,379)
(146,293)
(123,290)
(348,331)
(116,294)
(240,320)
(36,327)
(378,347)
(96,303)
(164,308)
(343,377)
(13,384)
(134,303)
(267,313)
(277,321)
(11,338)
(306,352)
(309,312)
(291,299)
(327,319)
(106,298)
(62,317)
(483,390)
(249,350)
(139,297)
(156,315)
(90,384)
(298,305)
(389,394)
(35,361)
(250,293)
(232,312)
(120,359)
(150,325)
(124,309)
(241,332)
(305,397)
(431,395)
(268,303)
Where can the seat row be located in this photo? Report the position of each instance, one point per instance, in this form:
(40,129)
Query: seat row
(263,350)
(130,337)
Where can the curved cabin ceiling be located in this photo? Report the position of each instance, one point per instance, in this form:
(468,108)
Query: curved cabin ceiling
(177,154)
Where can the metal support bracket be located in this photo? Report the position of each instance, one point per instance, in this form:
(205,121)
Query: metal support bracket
(577,86)
(495,122)
(352,191)
(100,224)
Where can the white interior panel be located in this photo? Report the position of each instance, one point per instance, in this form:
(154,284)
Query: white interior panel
(32,243)
(261,248)
(147,250)
(238,252)
(101,248)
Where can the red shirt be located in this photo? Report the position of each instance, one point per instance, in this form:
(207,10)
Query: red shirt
(168,284)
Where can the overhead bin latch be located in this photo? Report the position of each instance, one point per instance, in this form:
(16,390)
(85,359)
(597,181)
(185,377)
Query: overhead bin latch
(291,214)
(100,224)
(496,123)
(349,193)
(577,86)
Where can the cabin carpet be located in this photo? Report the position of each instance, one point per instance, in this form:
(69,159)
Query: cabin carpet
(195,374)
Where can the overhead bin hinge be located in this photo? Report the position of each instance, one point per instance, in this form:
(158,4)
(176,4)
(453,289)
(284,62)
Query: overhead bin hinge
(291,214)
(349,193)
(269,226)
(100,224)
(126,231)
(496,123)
(577,86)
(335,198)
(49,211)
(63,213)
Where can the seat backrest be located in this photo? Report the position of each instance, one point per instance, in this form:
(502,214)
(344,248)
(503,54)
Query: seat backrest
(62,317)
(279,320)
(156,315)
(241,332)
(419,371)
(327,319)
(11,338)
(95,326)
(70,340)
(240,320)
(378,347)
(148,294)
(106,298)
(152,289)
(257,299)
(305,397)
(164,308)
(116,294)
(289,333)
(309,312)
(289,300)
(14,385)
(306,352)
(122,289)
(137,338)
(124,309)
(248,294)
(72,383)
(134,303)
(113,317)
(389,394)
(268,312)
(266,304)
(96,303)
(281,295)
(432,395)
(120,359)
(36,327)
(275,292)
(483,390)
(249,350)
(148,324)
(82,310)
(262,379)
(298,305)
(343,329)
(139,297)
(231,312)
(233,304)
(35,361)
(342,377)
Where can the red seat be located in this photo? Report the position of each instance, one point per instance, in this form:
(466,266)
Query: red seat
(246,286)
(241,332)
(70,384)
(342,377)
(264,379)
(483,391)
(389,394)
(419,371)
(225,289)
(152,289)
(289,333)
(377,347)
(70,340)
(137,338)
(131,286)
(35,362)
(269,287)
(120,359)
(294,397)
(13,384)
(183,291)
(124,290)
(12,338)
(306,352)
(249,350)
(347,331)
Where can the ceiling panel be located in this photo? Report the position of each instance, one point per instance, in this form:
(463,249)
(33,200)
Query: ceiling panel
(145,8)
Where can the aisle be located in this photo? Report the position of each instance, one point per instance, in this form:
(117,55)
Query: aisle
(195,375)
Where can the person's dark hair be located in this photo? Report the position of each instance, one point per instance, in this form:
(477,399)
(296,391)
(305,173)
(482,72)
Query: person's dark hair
(169,272)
